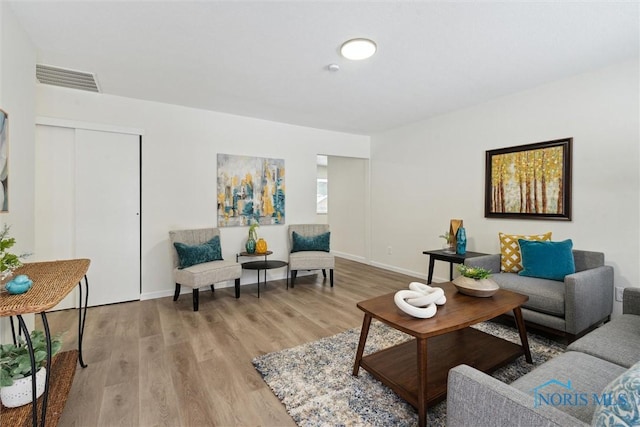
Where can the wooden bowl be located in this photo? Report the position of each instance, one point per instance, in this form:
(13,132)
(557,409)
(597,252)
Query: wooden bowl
(476,288)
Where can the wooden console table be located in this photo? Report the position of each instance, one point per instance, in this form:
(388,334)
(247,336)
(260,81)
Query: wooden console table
(52,281)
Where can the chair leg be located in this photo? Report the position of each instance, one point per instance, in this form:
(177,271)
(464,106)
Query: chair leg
(331,277)
(196,298)
(212,289)
(294,273)
(324,273)
(238,288)
(176,294)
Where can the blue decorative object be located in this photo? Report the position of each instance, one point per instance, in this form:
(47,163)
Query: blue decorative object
(19,285)
(547,260)
(461,241)
(311,243)
(251,245)
(197,254)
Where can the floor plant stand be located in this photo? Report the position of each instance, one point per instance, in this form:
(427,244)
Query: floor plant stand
(52,281)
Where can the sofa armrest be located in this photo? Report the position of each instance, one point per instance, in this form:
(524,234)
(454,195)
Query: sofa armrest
(631,301)
(588,298)
(488,262)
(477,399)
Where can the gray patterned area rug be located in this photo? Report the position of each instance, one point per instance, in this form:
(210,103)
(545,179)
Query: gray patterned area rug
(315,384)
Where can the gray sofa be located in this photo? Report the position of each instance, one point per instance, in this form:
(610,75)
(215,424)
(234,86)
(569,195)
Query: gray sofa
(570,308)
(591,364)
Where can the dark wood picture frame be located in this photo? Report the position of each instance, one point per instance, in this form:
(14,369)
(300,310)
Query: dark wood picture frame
(531,181)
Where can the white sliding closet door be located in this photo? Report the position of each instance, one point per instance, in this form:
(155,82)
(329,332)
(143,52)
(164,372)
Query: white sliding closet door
(54,198)
(107,213)
(99,180)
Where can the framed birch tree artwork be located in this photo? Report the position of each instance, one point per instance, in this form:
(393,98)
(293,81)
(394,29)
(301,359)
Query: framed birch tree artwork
(530,181)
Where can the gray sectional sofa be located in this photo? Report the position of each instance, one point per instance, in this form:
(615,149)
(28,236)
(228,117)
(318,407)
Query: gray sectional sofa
(567,390)
(572,307)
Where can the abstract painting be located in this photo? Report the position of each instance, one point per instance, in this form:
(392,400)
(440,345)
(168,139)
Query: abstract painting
(250,189)
(4,168)
(529,181)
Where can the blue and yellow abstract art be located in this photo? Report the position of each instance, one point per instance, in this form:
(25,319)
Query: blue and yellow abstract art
(250,189)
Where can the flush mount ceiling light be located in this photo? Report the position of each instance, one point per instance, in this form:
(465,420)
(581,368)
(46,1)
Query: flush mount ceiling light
(357,49)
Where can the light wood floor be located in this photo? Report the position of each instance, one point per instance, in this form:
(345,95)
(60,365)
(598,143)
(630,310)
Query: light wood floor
(157,363)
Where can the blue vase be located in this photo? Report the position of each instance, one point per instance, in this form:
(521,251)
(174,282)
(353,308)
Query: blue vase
(251,245)
(461,239)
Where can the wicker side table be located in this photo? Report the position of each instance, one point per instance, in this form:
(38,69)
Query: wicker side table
(52,281)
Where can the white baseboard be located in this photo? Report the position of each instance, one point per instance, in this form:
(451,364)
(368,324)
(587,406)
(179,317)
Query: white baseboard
(421,276)
(272,275)
(351,257)
(398,270)
(277,275)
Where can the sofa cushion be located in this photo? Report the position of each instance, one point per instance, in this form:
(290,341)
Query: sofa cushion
(547,260)
(311,260)
(546,296)
(311,243)
(622,409)
(617,341)
(577,375)
(197,254)
(207,273)
(510,258)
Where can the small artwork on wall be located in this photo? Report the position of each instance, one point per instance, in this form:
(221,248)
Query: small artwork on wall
(4,158)
(250,188)
(530,181)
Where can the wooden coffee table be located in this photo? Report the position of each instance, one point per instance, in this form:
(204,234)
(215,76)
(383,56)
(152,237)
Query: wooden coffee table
(417,370)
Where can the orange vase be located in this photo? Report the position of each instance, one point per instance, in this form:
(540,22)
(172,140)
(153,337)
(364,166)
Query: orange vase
(261,246)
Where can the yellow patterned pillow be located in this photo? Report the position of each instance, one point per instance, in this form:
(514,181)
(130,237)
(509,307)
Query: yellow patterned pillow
(511,260)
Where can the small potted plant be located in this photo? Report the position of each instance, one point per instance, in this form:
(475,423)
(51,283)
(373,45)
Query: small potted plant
(15,368)
(8,261)
(476,273)
(449,247)
(475,281)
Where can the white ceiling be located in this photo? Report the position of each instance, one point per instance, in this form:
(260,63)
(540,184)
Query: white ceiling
(269,59)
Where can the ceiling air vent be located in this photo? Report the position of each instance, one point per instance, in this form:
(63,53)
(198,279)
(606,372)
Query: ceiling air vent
(73,79)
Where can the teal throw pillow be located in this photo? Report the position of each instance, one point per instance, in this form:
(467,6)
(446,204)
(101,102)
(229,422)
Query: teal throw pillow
(197,254)
(622,404)
(547,260)
(310,243)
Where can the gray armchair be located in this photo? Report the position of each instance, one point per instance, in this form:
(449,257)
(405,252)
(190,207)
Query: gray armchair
(309,259)
(572,307)
(203,274)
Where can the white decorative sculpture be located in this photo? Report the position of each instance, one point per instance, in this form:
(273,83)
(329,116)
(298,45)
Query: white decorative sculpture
(420,300)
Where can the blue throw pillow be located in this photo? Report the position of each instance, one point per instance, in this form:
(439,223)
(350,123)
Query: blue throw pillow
(197,254)
(311,243)
(547,260)
(620,408)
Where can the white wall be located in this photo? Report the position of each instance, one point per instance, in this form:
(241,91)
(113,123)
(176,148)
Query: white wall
(348,180)
(179,168)
(17,98)
(432,171)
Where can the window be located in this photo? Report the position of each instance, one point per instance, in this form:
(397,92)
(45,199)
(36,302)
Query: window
(322,196)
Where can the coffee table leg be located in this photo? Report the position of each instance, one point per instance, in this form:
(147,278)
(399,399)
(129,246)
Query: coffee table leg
(422,382)
(517,312)
(363,340)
